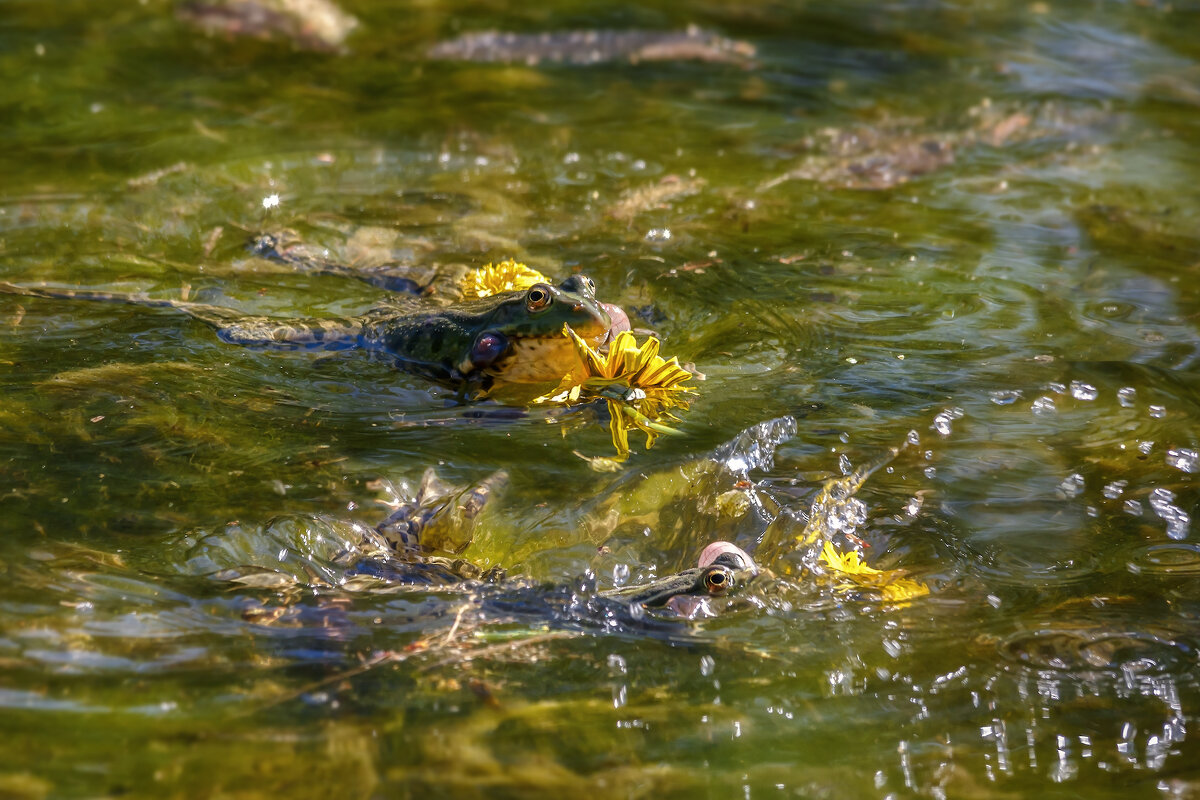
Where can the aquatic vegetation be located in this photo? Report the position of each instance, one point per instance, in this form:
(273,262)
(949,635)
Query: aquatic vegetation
(588,47)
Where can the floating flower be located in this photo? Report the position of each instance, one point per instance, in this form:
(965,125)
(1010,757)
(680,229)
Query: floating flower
(640,386)
(507,276)
(891,584)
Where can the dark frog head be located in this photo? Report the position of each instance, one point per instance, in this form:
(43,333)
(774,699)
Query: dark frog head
(512,336)
(520,339)
(721,569)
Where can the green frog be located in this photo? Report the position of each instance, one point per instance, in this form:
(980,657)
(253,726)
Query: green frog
(514,337)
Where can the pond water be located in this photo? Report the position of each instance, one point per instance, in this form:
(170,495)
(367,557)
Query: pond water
(939,263)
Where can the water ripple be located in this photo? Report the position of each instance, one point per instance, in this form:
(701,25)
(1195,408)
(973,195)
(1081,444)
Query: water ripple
(1075,649)
(1175,558)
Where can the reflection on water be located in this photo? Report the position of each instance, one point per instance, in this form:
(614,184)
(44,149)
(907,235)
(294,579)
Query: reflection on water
(937,263)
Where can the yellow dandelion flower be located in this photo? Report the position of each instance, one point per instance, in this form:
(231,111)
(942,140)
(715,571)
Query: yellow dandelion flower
(891,585)
(507,276)
(640,386)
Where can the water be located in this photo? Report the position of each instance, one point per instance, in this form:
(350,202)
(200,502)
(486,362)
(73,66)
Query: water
(946,252)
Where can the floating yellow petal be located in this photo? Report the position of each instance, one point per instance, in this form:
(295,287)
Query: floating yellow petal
(891,585)
(640,386)
(506,276)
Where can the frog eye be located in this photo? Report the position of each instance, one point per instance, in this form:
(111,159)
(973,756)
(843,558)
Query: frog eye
(539,297)
(718,581)
(589,284)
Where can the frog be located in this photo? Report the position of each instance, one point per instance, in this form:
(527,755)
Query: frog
(441,517)
(470,346)
(721,568)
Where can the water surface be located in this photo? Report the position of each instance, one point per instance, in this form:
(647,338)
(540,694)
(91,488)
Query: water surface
(952,243)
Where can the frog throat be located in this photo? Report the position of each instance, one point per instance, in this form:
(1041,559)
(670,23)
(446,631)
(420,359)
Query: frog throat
(533,359)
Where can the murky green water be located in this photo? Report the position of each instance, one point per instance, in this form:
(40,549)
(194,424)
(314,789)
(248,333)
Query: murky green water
(962,233)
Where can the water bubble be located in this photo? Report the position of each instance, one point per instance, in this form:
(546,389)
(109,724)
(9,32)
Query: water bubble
(620,574)
(1133,508)
(1183,459)
(931,472)
(1161,502)
(848,516)
(913,506)
(844,464)
(1043,405)
(1071,486)
(617,664)
(1113,490)
(658,235)
(1056,387)
(1145,447)
(941,423)
(1004,397)
(913,438)
(1083,391)
(571,158)
(707,665)
(1126,396)
(1158,412)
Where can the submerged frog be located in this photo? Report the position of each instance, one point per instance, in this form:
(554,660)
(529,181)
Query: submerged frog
(441,517)
(514,337)
(722,566)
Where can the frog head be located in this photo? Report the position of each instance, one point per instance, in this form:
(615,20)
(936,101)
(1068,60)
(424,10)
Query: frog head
(520,338)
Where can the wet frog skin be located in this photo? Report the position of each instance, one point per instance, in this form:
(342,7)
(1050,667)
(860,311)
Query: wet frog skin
(722,568)
(514,337)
